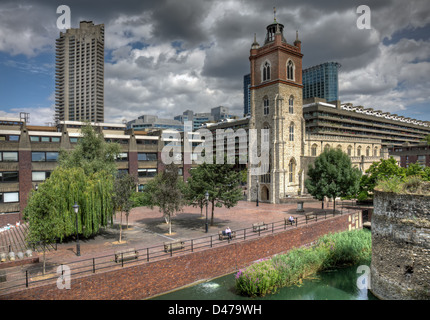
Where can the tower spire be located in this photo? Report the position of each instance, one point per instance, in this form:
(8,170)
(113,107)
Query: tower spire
(274,14)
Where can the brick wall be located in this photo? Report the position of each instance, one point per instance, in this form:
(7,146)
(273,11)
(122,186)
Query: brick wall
(146,280)
(10,218)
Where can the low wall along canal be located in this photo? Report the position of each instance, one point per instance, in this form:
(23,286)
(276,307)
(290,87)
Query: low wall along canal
(147,279)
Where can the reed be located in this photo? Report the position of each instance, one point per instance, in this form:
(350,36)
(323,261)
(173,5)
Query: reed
(330,251)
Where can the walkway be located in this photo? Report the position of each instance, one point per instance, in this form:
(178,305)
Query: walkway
(147,227)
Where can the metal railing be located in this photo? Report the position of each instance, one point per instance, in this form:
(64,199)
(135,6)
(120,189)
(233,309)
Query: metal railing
(33,276)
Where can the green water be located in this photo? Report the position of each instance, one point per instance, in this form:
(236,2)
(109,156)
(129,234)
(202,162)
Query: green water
(339,284)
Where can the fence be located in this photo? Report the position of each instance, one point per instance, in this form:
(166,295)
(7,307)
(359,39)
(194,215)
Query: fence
(34,275)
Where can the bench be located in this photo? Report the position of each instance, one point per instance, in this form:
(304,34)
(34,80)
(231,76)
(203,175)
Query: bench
(310,216)
(288,222)
(127,254)
(174,245)
(223,236)
(259,226)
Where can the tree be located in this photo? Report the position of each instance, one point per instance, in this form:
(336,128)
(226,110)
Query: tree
(50,213)
(195,191)
(166,193)
(84,175)
(92,153)
(123,188)
(220,181)
(427,139)
(381,170)
(332,175)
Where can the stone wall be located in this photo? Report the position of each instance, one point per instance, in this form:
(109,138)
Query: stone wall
(149,279)
(400,267)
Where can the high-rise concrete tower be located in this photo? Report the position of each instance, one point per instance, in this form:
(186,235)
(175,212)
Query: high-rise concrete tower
(276,104)
(79,79)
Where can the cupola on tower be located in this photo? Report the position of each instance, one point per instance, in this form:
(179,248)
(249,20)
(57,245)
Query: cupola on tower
(276,104)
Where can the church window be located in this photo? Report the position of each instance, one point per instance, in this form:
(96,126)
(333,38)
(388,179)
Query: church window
(292,132)
(266,71)
(291,169)
(266,106)
(314,150)
(291,105)
(290,70)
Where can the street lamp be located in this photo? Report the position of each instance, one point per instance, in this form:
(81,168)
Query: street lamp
(207,200)
(78,247)
(257,194)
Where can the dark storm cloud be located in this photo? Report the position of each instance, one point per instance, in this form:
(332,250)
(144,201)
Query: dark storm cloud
(170,55)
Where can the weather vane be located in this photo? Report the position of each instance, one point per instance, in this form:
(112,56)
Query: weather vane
(274,13)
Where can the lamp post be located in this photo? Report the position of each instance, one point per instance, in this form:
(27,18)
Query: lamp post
(78,247)
(257,193)
(207,200)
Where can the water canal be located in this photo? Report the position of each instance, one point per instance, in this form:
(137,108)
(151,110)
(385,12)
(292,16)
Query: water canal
(338,284)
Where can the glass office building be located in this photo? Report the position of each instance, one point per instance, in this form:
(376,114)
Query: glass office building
(321,81)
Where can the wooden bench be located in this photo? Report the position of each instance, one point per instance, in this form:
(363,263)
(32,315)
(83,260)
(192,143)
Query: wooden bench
(223,236)
(310,216)
(259,226)
(288,222)
(174,245)
(127,254)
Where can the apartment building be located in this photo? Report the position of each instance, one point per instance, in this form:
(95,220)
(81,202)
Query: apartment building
(79,75)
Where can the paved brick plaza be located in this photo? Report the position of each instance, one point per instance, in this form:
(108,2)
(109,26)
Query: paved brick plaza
(148,228)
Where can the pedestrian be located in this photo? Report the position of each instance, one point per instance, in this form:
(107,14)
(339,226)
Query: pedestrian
(228,232)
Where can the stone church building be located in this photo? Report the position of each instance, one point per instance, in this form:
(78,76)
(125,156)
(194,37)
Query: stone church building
(277,104)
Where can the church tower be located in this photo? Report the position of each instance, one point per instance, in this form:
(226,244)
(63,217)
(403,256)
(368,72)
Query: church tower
(276,104)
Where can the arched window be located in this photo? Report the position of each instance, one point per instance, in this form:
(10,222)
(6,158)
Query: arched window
(291,104)
(339,147)
(349,151)
(290,70)
(367,151)
(266,106)
(359,151)
(375,152)
(327,147)
(291,131)
(314,150)
(266,71)
(292,170)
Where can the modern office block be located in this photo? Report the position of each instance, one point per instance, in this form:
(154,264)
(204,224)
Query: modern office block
(321,81)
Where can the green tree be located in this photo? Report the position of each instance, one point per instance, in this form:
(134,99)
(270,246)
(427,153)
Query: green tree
(85,175)
(166,191)
(427,139)
(195,190)
(332,175)
(381,170)
(92,153)
(123,188)
(414,169)
(220,181)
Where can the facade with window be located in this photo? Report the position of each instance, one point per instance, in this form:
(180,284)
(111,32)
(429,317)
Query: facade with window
(412,153)
(29,154)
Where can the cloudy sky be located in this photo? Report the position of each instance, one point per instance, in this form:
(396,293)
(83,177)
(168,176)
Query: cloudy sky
(166,56)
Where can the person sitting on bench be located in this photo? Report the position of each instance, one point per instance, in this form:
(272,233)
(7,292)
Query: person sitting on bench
(291,220)
(228,232)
